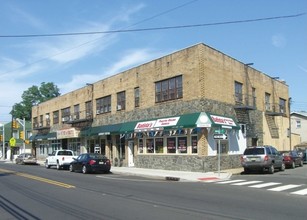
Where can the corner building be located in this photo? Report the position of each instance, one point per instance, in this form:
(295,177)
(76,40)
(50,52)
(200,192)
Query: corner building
(184,111)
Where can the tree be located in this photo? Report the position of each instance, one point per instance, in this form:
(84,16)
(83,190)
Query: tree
(34,96)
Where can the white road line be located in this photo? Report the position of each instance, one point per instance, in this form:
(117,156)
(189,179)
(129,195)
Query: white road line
(300,192)
(264,185)
(285,187)
(230,181)
(246,183)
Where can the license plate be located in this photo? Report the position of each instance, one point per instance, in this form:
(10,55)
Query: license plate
(101,162)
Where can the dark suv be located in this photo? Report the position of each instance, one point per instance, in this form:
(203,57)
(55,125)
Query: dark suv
(262,158)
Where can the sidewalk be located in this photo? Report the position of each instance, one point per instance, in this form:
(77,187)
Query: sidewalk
(171,175)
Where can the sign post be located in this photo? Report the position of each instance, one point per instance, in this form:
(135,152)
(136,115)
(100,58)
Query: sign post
(219,135)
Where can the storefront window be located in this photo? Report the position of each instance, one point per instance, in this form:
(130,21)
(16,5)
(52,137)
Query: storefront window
(141,146)
(182,145)
(150,145)
(171,145)
(55,145)
(159,145)
(74,145)
(194,144)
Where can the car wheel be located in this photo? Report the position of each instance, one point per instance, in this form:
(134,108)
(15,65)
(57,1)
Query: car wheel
(58,167)
(46,164)
(246,171)
(301,163)
(71,169)
(84,169)
(271,169)
(293,165)
(283,167)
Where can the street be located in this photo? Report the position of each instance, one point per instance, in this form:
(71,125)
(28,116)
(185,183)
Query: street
(33,192)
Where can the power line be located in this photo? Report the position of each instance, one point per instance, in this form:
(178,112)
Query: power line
(153,29)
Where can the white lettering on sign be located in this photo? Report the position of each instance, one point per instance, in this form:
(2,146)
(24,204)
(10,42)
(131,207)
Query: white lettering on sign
(167,122)
(222,120)
(145,125)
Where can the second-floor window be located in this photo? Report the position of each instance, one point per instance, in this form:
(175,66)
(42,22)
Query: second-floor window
(65,114)
(56,117)
(121,101)
(238,92)
(76,112)
(298,123)
(282,105)
(267,100)
(169,89)
(88,109)
(136,97)
(103,105)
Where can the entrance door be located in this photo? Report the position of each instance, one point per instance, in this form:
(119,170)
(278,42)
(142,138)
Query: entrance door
(130,154)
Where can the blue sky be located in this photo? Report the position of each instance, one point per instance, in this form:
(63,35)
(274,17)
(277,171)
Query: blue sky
(277,48)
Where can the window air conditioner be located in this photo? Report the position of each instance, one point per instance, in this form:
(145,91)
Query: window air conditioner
(119,107)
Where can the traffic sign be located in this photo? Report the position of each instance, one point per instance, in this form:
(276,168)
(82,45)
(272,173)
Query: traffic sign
(220,131)
(220,136)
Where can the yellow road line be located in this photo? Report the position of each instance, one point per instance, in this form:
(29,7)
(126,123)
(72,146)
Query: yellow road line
(45,180)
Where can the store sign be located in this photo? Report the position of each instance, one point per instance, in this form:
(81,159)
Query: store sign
(167,122)
(147,125)
(223,120)
(67,133)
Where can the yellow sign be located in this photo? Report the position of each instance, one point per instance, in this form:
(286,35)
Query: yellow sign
(12,142)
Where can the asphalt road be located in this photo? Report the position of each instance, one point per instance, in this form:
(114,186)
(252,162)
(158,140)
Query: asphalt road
(33,192)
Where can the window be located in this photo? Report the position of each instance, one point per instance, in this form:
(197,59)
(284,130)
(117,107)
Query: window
(76,112)
(194,144)
(56,117)
(238,92)
(282,105)
(254,97)
(298,123)
(88,109)
(171,145)
(103,105)
(141,146)
(136,97)
(169,89)
(121,101)
(65,114)
(182,145)
(267,101)
(158,145)
(150,145)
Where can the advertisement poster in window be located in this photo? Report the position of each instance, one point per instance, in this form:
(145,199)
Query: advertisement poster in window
(171,145)
(182,145)
(141,146)
(150,145)
(194,144)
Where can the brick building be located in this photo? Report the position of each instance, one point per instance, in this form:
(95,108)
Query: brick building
(166,113)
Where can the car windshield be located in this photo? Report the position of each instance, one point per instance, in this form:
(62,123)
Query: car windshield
(254,151)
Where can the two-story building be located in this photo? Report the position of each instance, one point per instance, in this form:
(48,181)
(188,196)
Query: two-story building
(179,112)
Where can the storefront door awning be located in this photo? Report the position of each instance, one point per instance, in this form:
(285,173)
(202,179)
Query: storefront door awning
(106,129)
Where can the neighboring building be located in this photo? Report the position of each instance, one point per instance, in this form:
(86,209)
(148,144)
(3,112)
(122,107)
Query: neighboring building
(15,139)
(165,113)
(299,125)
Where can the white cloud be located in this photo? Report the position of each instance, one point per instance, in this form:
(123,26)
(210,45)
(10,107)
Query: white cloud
(279,41)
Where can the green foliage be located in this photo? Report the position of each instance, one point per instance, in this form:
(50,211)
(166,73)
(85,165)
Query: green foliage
(34,96)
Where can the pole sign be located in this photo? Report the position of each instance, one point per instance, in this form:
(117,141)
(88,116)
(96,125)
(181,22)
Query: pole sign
(220,136)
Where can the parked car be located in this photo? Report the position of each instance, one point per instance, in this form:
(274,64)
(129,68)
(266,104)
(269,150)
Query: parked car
(292,159)
(90,162)
(25,158)
(262,158)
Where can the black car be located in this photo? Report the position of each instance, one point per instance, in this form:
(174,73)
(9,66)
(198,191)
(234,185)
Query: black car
(90,163)
(292,159)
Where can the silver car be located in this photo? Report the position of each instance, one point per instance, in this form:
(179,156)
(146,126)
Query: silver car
(25,158)
(262,158)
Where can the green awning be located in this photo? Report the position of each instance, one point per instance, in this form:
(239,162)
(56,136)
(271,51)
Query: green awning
(185,121)
(106,129)
(52,136)
(207,119)
(128,127)
(85,132)
(40,137)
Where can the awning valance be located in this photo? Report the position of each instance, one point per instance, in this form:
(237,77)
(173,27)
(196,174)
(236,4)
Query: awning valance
(106,129)
(207,119)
